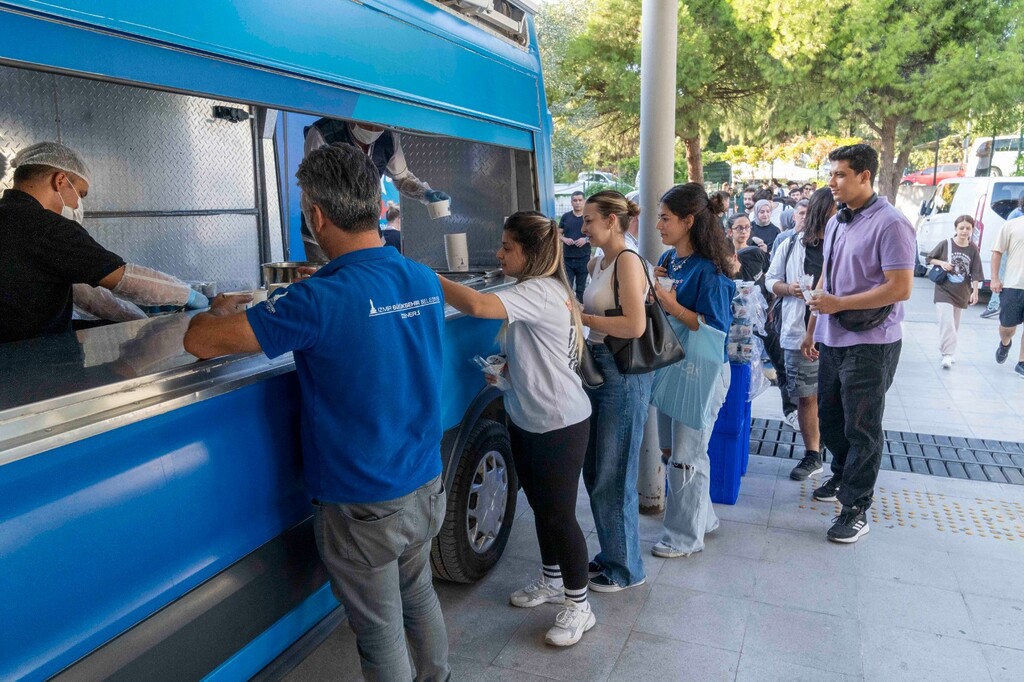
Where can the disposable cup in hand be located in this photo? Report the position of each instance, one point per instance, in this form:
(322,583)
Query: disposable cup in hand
(439,209)
(807,294)
(666,283)
(456,252)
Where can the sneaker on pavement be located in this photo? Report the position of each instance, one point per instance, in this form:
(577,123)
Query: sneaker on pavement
(792,420)
(594,569)
(849,526)
(1002,352)
(808,466)
(827,491)
(947,361)
(1019,369)
(603,583)
(664,551)
(990,313)
(536,593)
(570,624)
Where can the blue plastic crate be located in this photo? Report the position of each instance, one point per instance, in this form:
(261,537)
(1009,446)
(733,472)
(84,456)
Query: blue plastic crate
(734,416)
(728,455)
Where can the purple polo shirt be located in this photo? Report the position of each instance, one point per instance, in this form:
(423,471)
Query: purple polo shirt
(878,239)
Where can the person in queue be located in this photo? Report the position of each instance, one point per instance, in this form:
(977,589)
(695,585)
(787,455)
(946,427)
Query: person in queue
(798,257)
(392,233)
(869,256)
(548,410)
(699,261)
(383,147)
(46,251)
(762,226)
(375,480)
(619,406)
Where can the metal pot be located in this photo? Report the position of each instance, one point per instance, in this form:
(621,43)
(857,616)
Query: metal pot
(286,272)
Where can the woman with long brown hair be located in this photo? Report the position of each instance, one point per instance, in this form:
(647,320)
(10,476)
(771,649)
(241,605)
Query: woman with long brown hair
(547,407)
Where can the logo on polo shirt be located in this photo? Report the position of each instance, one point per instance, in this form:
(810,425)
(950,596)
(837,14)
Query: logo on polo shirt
(407,308)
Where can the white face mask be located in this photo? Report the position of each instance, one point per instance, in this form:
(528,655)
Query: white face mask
(76,214)
(365,136)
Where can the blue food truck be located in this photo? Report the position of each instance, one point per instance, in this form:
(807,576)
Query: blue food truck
(153,522)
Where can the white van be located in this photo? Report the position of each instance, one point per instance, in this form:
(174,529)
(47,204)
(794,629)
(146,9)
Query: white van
(1003,162)
(987,200)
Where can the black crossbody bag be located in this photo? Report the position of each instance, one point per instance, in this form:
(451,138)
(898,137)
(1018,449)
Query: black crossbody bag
(853,320)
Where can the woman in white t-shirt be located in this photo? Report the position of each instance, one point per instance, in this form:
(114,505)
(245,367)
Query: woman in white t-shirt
(620,405)
(547,406)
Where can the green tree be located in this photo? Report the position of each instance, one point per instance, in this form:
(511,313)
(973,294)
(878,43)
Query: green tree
(898,67)
(716,70)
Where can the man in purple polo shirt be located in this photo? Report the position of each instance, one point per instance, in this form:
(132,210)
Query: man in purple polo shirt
(869,264)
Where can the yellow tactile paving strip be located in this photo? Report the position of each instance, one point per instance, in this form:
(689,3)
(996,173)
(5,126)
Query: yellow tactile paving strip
(976,517)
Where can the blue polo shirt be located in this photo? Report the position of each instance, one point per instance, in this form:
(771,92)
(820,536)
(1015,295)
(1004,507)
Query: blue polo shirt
(366,333)
(702,289)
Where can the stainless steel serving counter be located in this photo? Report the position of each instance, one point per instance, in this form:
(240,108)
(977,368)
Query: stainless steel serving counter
(63,388)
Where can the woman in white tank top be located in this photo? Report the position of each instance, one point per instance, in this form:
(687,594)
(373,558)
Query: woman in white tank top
(620,404)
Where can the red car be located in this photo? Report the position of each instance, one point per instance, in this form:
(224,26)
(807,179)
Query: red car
(928,176)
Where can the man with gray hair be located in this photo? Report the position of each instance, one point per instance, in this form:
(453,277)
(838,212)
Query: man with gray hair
(363,329)
(45,252)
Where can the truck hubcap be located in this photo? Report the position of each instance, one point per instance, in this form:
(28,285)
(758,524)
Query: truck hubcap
(488,493)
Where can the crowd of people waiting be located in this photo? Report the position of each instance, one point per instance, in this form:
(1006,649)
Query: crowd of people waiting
(837,347)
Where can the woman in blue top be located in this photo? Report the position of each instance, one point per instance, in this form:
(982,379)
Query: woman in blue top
(700,263)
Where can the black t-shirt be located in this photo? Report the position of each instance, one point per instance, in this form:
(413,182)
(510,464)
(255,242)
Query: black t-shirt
(572,227)
(41,255)
(814,259)
(766,233)
(393,238)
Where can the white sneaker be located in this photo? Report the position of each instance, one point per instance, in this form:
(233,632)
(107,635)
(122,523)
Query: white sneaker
(536,593)
(947,361)
(570,624)
(792,420)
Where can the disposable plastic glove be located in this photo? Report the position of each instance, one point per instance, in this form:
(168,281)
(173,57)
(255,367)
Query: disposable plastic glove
(148,287)
(197,300)
(99,303)
(432,195)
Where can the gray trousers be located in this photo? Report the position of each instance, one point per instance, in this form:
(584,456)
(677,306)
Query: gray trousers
(378,557)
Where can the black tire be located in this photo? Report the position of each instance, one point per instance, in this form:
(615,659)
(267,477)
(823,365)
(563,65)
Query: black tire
(468,545)
(996,172)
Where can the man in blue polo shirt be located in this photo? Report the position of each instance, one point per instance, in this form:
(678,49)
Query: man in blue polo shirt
(365,328)
(869,252)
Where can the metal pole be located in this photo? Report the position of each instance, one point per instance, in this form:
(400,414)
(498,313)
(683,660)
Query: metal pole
(657,161)
(935,171)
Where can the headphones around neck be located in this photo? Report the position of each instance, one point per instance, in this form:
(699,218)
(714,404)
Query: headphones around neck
(845,214)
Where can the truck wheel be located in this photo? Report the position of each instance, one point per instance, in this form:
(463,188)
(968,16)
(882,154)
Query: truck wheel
(996,172)
(481,507)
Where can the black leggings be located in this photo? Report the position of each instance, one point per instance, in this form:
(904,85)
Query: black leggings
(548,466)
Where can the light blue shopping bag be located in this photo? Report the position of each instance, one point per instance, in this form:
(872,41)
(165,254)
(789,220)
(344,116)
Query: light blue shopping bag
(683,390)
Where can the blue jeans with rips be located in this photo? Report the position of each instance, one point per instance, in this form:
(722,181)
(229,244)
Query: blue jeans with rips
(612,464)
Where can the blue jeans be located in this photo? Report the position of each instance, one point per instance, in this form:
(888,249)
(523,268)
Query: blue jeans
(378,557)
(688,511)
(612,464)
(576,271)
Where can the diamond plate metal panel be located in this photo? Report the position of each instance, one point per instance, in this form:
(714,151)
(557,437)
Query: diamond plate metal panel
(479,179)
(28,113)
(222,249)
(272,189)
(148,150)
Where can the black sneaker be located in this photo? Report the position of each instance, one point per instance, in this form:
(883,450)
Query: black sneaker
(990,313)
(594,569)
(603,583)
(1003,351)
(808,466)
(827,491)
(849,525)
(1019,369)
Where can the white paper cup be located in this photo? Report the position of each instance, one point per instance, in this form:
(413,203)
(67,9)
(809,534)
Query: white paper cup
(807,295)
(666,283)
(456,252)
(439,209)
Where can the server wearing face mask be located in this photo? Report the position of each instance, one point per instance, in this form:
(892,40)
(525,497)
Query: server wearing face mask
(44,250)
(384,147)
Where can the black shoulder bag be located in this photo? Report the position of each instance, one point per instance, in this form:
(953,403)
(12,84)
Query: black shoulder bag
(657,347)
(853,320)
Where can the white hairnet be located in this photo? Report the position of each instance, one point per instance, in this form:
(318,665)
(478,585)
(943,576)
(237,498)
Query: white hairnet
(53,154)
